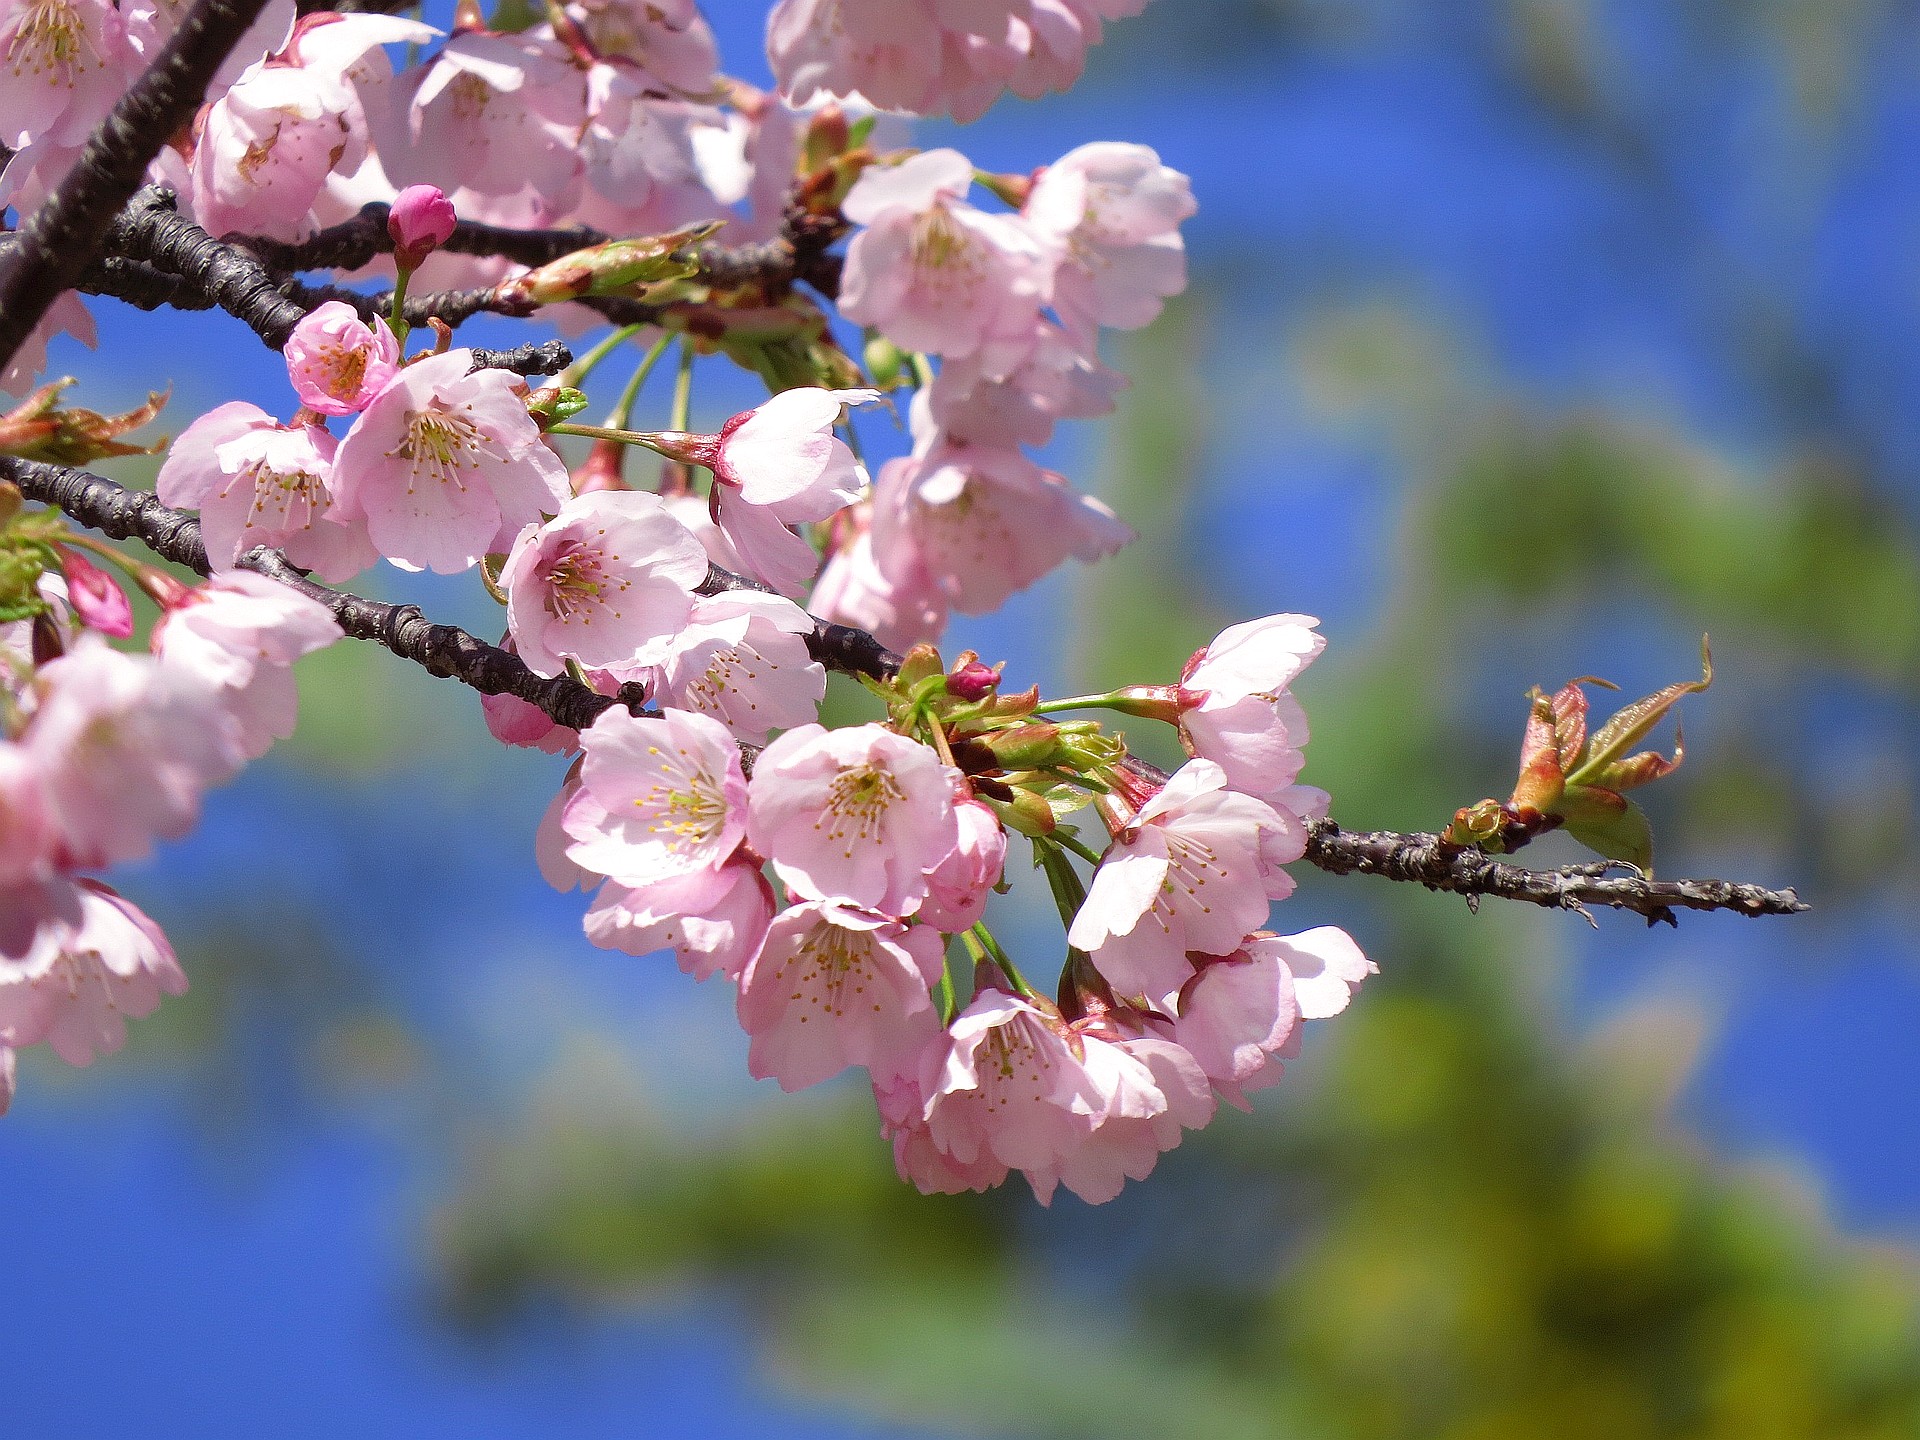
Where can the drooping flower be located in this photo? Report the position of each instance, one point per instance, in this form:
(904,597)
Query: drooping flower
(834,986)
(742,658)
(95,595)
(1115,212)
(337,362)
(239,635)
(658,798)
(1058,381)
(957,888)
(1240,1013)
(713,920)
(67,314)
(982,521)
(1018,1085)
(513,721)
(80,982)
(934,274)
(900,608)
(1192,870)
(605,581)
(1125,1145)
(258,482)
(444,465)
(858,815)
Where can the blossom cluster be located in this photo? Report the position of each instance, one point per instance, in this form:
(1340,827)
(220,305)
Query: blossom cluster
(838,878)
(102,752)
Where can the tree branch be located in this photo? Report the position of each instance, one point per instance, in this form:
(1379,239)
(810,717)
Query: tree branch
(447,650)
(1439,865)
(64,234)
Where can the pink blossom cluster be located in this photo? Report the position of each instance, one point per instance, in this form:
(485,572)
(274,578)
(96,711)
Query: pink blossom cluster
(103,751)
(830,885)
(1013,305)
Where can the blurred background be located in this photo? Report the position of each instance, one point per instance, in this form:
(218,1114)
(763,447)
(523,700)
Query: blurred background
(1526,339)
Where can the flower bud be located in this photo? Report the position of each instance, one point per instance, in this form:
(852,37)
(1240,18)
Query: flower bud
(1026,812)
(420,222)
(972,680)
(1025,747)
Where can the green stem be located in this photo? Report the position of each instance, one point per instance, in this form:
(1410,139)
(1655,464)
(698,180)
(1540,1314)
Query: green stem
(604,432)
(1077,846)
(683,390)
(943,992)
(1062,879)
(396,311)
(981,936)
(579,370)
(922,369)
(623,411)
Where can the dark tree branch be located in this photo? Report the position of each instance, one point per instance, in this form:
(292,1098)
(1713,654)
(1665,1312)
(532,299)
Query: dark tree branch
(62,237)
(1439,865)
(447,650)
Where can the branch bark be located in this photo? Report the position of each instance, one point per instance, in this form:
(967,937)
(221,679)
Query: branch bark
(447,650)
(65,233)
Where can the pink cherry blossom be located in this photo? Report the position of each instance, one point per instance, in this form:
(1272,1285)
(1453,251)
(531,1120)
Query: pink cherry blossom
(513,721)
(901,608)
(776,466)
(983,522)
(258,482)
(1017,1085)
(1125,1146)
(1234,708)
(668,39)
(1241,1012)
(445,465)
(80,982)
(337,362)
(712,919)
(26,820)
(834,986)
(551,841)
(658,797)
(742,658)
(421,221)
(918,1160)
(608,578)
(858,815)
(957,888)
(491,113)
(886,51)
(934,274)
(124,747)
(1115,212)
(1056,382)
(151,23)
(62,65)
(95,595)
(1193,870)
(239,634)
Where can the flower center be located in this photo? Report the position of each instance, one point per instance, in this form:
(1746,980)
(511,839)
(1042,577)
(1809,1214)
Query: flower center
(946,256)
(577,581)
(52,42)
(439,445)
(858,801)
(342,369)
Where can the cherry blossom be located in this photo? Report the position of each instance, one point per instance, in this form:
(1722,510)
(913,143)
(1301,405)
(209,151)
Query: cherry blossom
(742,658)
(1192,870)
(65,63)
(1126,1145)
(421,220)
(151,23)
(602,583)
(901,605)
(1241,1012)
(1016,1085)
(957,888)
(857,815)
(983,522)
(96,596)
(668,39)
(713,919)
(932,273)
(239,634)
(444,465)
(658,797)
(67,314)
(81,981)
(257,482)
(1056,382)
(123,747)
(1234,708)
(1115,212)
(337,362)
(884,50)
(835,986)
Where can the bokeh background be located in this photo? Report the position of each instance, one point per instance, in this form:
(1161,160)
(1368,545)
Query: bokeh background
(1527,338)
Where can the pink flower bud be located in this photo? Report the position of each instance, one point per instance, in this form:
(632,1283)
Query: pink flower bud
(972,680)
(420,222)
(96,597)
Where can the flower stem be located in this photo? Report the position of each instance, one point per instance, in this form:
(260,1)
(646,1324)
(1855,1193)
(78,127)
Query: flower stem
(683,389)
(604,432)
(579,370)
(983,937)
(623,411)
(397,308)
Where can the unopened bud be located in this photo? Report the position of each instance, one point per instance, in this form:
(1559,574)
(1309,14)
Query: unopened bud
(618,267)
(420,221)
(972,680)
(1025,747)
(552,404)
(1026,812)
(886,362)
(828,135)
(10,502)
